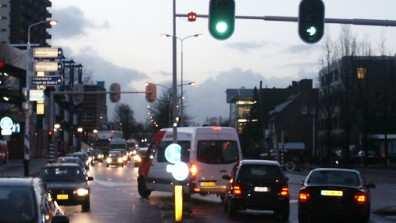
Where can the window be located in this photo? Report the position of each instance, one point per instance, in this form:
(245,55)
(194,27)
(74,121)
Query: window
(217,152)
(186,147)
(259,173)
(19,203)
(334,178)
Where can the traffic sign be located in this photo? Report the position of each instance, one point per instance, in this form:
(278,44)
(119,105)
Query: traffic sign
(46,52)
(52,80)
(36,95)
(46,66)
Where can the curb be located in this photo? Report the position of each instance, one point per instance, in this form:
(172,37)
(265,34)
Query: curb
(387,211)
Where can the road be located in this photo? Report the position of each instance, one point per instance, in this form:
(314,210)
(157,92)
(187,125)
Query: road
(114,199)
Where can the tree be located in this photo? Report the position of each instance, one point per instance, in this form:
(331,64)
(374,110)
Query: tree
(124,115)
(161,112)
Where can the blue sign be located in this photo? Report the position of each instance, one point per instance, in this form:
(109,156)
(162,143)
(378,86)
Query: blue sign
(50,80)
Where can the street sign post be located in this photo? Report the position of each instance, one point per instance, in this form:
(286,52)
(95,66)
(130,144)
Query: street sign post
(52,80)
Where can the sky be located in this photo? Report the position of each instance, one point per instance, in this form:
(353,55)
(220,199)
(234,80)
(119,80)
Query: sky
(123,41)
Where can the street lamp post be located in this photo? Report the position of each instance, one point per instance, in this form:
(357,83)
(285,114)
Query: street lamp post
(28,110)
(182,68)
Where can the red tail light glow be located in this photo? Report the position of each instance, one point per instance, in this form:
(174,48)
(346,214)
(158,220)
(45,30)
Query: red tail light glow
(284,192)
(236,190)
(304,196)
(193,170)
(360,198)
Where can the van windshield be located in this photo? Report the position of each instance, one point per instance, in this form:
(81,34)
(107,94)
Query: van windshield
(217,151)
(186,145)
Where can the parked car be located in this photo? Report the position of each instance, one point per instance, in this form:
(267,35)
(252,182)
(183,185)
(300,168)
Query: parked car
(68,184)
(25,200)
(334,194)
(258,185)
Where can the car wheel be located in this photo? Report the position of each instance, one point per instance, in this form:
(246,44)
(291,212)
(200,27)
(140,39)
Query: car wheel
(232,210)
(282,215)
(86,206)
(142,188)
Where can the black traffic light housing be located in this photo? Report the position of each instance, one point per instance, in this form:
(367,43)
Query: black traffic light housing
(151,92)
(221,18)
(311,20)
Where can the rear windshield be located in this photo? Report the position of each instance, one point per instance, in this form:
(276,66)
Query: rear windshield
(186,147)
(17,204)
(69,174)
(257,173)
(343,178)
(217,151)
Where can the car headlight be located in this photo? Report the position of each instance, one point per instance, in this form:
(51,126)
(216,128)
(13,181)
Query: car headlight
(137,158)
(108,160)
(100,156)
(82,192)
(120,160)
(134,152)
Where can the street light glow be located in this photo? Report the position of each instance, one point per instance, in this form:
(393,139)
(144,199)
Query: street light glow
(53,22)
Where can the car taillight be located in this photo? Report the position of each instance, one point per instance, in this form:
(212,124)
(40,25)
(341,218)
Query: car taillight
(236,190)
(193,170)
(360,198)
(284,192)
(304,196)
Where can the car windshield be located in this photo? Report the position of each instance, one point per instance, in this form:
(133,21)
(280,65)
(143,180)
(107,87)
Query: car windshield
(185,153)
(257,173)
(17,204)
(69,174)
(344,178)
(217,151)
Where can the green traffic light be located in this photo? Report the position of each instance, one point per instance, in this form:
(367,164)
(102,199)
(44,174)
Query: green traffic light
(221,18)
(221,27)
(311,20)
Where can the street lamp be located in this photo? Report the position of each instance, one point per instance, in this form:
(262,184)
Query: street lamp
(28,75)
(181,68)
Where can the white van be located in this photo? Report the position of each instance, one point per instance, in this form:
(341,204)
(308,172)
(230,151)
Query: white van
(211,153)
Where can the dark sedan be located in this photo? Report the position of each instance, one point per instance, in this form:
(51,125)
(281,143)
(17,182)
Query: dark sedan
(68,184)
(334,195)
(258,185)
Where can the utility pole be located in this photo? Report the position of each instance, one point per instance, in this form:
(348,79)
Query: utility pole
(174,74)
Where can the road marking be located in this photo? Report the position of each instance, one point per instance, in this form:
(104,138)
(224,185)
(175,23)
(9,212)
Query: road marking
(112,184)
(293,201)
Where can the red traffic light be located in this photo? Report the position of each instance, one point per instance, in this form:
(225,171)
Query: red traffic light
(192,16)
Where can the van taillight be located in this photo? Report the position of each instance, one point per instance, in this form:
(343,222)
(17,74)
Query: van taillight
(236,190)
(193,170)
(284,192)
(304,197)
(360,198)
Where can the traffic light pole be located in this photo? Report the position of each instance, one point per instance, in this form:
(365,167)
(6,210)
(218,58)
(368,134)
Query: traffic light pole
(359,22)
(174,74)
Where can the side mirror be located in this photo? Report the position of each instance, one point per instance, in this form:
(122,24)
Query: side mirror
(90,178)
(226,177)
(60,219)
(370,186)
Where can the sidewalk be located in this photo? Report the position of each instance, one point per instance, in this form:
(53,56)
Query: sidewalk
(14,168)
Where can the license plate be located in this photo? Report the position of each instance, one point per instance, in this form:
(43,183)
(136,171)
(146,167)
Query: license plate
(62,197)
(332,193)
(208,184)
(261,189)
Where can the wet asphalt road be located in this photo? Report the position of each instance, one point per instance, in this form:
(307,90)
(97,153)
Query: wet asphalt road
(114,199)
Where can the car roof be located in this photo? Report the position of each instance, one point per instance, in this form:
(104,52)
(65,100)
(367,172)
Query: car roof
(259,162)
(62,165)
(17,181)
(194,129)
(337,169)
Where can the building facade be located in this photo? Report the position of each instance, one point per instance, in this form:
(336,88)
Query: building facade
(357,112)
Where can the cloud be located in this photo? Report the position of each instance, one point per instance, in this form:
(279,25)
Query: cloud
(73,23)
(301,49)
(209,98)
(247,47)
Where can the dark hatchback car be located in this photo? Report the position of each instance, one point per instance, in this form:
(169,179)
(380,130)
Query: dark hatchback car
(258,185)
(72,159)
(334,195)
(24,200)
(68,184)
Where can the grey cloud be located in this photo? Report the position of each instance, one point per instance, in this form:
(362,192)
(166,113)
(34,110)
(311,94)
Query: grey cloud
(73,23)
(247,47)
(299,65)
(301,49)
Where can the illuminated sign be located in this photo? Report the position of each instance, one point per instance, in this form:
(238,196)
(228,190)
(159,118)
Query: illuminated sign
(8,126)
(46,52)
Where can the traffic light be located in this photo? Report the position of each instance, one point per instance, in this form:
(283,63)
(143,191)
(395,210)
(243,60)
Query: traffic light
(192,16)
(221,18)
(115,94)
(151,92)
(311,20)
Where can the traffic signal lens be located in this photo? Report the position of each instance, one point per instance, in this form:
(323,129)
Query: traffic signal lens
(312,31)
(221,27)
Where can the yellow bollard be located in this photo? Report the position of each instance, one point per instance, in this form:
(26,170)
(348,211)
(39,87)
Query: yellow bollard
(178,203)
